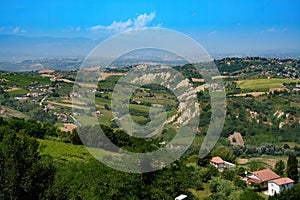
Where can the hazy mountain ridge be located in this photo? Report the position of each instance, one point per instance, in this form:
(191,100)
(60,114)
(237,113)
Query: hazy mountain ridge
(19,47)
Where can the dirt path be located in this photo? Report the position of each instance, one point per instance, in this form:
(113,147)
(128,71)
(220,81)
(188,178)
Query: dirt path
(105,75)
(67,105)
(12,89)
(42,101)
(255,94)
(46,71)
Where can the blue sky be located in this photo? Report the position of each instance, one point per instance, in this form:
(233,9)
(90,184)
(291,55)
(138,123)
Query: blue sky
(223,25)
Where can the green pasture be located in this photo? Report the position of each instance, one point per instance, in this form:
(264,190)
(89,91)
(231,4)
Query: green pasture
(263,85)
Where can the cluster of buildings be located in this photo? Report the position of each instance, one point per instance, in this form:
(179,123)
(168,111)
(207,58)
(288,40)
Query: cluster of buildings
(265,177)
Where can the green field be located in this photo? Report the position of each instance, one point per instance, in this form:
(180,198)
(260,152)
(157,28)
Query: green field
(24,80)
(263,85)
(17,92)
(64,151)
(13,113)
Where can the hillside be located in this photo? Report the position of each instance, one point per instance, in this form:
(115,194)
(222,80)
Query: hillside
(261,129)
(262,97)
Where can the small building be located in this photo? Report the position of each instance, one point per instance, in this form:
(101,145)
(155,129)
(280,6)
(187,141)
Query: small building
(296,88)
(219,163)
(229,165)
(278,185)
(181,197)
(262,176)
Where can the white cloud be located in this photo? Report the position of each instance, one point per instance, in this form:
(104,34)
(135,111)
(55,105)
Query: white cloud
(212,33)
(16,30)
(11,29)
(270,30)
(97,27)
(72,29)
(143,20)
(119,26)
(140,21)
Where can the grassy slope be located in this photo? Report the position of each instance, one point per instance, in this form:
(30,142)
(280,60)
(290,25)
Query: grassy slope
(263,85)
(17,92)
(13,113)
(25,80)
(64,151)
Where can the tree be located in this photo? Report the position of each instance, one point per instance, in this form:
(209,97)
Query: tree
(292,167)
(250,195)
(241,171)
(279,167)
(225,153)
(228,174)
(238,182)
(24,174)
(74,137)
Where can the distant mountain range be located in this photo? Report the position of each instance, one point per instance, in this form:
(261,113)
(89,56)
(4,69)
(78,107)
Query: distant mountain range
(38,64)
(24,53)
(14,47)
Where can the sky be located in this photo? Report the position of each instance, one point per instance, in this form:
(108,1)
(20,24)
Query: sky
(218,25)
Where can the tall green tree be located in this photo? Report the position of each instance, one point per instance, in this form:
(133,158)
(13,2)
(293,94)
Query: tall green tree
(24,174)
(292,168)
(225,153)
(279,167)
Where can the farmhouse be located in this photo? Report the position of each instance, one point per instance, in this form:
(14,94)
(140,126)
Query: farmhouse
(219,163)
(262,176)
(277,185)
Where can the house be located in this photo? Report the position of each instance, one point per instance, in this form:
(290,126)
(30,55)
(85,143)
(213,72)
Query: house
(262,176)
(277,185)
(219,163)
(181,197)
(296,88)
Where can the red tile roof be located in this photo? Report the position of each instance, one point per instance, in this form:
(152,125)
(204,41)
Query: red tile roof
(282,181)
(217,160)
(266,175)
(254,180)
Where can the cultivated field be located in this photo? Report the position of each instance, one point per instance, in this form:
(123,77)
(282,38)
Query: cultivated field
(263,85)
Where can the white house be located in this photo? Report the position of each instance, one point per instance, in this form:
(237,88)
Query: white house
(229,165)
(277,185)
(219,163)
(262,176)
